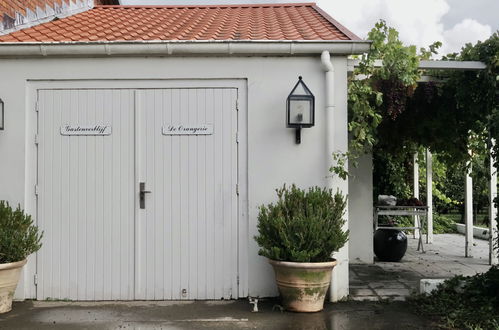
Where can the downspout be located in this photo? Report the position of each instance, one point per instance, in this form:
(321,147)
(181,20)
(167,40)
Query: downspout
(329,86)
(329,83)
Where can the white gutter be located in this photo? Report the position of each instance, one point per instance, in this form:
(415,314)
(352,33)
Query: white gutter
(179,48)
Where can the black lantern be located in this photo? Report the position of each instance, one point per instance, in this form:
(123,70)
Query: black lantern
(300,108)
(2,116)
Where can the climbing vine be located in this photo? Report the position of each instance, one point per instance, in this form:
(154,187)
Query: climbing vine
(391,113)
(379,91)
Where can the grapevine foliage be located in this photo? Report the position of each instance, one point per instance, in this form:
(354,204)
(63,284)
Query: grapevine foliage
(393,114)
(380,92)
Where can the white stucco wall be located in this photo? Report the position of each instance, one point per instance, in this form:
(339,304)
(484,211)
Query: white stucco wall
(361,211)
(273,156)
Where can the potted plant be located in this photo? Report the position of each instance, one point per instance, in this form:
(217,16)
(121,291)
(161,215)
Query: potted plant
(298,234)
(18,239)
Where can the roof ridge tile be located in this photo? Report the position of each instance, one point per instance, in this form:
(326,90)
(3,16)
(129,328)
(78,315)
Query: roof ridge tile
(248,5)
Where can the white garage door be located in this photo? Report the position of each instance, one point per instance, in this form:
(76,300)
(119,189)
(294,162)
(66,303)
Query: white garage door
(97,149)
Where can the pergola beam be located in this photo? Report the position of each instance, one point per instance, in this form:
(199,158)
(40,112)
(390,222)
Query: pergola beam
(432,65)
(452,65)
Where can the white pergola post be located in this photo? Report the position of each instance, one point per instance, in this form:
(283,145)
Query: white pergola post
(468,212)
(429,196)
(493,254)
(415,185)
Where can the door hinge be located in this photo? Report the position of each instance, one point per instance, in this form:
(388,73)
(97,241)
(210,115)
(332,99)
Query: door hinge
(36,106)
(237,137)
(37,139)
(35,279)
(36,190)
(237,105)
(237,279)
(237,189)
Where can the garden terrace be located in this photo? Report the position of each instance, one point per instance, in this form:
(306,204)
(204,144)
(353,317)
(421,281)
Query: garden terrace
(397,280)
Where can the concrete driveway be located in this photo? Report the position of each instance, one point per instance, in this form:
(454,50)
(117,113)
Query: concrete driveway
(207,315)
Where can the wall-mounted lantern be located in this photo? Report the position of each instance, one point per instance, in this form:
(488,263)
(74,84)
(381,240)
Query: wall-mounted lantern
(300,108)
(2,116)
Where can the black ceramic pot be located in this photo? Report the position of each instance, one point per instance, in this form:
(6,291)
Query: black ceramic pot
(389,244)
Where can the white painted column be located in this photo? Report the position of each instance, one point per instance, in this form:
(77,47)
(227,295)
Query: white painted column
(360,222)
(493,254)
(415,185)
(468,213)
(337,141)
(429,195)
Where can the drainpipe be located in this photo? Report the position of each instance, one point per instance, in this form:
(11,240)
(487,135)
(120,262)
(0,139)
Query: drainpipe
(339,279)
(329,68)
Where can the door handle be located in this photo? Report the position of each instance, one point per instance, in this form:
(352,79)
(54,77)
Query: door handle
(142,194)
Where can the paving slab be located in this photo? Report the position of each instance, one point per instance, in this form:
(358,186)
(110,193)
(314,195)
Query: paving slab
(443,259)
(207,315)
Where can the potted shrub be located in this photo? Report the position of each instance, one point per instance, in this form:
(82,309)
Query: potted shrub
(18,239)
(298,234)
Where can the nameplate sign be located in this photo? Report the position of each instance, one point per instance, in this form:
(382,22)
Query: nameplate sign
(203,129)
(86,130)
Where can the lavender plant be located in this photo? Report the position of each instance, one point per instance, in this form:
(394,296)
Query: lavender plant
(303,225)
(19,237)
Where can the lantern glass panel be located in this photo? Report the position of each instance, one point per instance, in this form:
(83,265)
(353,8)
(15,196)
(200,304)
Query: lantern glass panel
(300,112)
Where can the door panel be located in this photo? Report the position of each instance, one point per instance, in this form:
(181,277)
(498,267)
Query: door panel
(188,229)
(86,196)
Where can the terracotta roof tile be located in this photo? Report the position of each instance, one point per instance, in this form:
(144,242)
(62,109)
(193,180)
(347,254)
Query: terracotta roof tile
(223,22)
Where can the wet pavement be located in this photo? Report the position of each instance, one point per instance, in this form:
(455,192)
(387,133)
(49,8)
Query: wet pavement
(444,258)
(378,291)
(208,315)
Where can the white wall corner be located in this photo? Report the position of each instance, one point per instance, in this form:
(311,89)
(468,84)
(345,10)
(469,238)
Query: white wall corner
(361,211)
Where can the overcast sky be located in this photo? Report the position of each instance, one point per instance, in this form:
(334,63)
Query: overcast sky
(420,22)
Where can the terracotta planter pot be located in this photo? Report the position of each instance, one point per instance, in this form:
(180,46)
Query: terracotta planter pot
(303,285)
(9,277)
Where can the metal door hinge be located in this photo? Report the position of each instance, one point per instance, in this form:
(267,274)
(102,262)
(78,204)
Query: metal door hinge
(237,279)
(37,139)
(35,279)
(36,190)
(237,105)
(36,106)
(237,137)
(237,189)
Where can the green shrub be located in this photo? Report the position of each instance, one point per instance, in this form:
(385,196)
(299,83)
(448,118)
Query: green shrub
(464,302)
(442,224)
(302,226)
(18,236)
